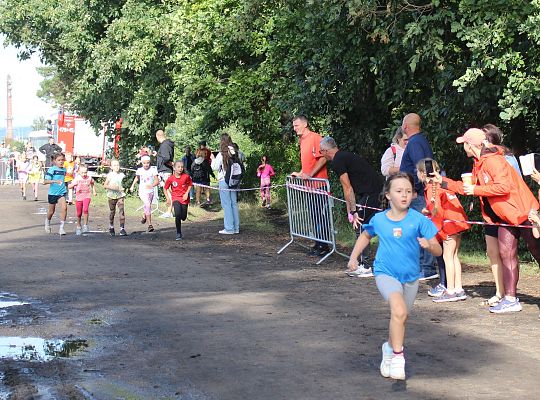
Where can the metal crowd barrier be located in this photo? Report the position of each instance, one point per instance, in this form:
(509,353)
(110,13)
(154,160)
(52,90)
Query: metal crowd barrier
(310,212)
(7,173)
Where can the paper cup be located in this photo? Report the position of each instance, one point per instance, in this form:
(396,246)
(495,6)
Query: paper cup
(467,178)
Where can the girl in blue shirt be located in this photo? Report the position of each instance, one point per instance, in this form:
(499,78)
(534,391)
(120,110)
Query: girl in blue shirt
(55,177)
(402,231)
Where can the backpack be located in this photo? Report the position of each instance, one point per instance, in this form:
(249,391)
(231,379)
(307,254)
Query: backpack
(197,171)
(235,171)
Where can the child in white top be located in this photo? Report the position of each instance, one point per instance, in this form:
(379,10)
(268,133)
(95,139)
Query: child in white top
(116,196)
(23,168)
(148,179)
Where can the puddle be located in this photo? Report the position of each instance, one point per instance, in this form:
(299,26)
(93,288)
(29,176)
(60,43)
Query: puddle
(37,349)
(6,304)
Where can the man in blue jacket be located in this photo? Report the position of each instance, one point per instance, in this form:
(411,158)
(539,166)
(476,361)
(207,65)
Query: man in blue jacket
(417,149)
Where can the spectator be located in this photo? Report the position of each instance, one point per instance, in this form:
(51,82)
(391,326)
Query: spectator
(188,161)
(391,159)
(203,149)
(49,149)
(417,149)
(165,158)
(200,173)
(361,185)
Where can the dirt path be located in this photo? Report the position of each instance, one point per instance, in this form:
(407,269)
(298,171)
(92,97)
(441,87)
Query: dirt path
(220,317)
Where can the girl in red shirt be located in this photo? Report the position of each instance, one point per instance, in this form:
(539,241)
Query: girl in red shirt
(179,184)
(443,204)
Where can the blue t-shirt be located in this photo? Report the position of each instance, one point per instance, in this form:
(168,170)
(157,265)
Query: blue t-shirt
(53,174)
(398,254)
(417,149)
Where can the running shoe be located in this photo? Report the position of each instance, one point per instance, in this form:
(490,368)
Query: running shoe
(505,306)
(178,237)
(436,291)
(143,219)
(397,367)
(447,297)
(360,272)
(78,231)
(85,229)
(111,232)
(430,275)
(35,198)
(165,215)
(24,197)
(123,232)
(61,231)
(150,228)
(237,231)
(461,295)
(47,226)
(387,354)
(226,232)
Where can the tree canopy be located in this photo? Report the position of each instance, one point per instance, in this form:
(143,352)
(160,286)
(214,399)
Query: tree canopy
(354,67)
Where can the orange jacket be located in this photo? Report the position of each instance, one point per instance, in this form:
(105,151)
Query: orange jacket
(499,184)
(448,207)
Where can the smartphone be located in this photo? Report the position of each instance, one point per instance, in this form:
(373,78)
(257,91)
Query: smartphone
(429,167)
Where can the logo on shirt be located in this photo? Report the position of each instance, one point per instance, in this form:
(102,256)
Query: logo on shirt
(175,184)
(397,232)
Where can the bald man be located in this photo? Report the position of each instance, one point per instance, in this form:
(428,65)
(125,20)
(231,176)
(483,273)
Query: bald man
(417,149)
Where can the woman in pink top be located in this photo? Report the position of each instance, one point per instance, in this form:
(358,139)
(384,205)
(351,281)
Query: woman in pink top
(265,172)
(85,188)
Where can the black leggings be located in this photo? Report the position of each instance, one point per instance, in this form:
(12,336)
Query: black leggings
(180,214)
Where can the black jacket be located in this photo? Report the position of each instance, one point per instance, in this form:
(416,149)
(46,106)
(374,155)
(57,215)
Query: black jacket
(49,150)
(165,155)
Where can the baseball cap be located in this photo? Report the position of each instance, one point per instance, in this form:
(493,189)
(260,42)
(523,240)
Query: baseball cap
(473,136)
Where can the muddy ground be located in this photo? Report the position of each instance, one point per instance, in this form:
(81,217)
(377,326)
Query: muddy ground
(224,317)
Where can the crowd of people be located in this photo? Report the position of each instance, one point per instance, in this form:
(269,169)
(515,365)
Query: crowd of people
(413,208)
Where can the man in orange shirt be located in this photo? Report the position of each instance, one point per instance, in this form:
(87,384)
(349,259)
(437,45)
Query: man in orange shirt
(313,166)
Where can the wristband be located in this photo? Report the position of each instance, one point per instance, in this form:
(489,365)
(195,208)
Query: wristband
(351,218)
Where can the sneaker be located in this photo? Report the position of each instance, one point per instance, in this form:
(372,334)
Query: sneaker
(85,229)
(111,232)
(397,367)
(387,354)
(436,291)
(505,306)
(143,219)
(24,197)
(178,237)
(226,232)
(166,215)
(123,232)
(47,226)
(263,203)
(360,272)
(35,198)
(236,231)
(268,207)
(61,231)
(78,231)
(150,228)
(448,297)
(430,275)
(461,295)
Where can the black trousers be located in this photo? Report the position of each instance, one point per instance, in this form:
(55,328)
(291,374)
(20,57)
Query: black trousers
(180,214)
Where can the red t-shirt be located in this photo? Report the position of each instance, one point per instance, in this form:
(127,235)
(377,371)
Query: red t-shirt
(310,152)
(179,187)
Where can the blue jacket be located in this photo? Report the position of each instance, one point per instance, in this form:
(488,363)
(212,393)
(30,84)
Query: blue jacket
(417,149)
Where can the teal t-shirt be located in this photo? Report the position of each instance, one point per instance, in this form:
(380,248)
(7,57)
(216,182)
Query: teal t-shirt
(53,174)
(398,254)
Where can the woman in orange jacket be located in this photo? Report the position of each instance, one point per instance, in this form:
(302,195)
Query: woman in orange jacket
(504,198)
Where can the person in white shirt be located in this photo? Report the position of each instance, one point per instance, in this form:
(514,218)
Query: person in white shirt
(391,159)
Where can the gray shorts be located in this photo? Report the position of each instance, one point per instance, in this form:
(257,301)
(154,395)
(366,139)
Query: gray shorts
(388,285)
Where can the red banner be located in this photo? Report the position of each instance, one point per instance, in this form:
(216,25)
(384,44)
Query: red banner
(66,133)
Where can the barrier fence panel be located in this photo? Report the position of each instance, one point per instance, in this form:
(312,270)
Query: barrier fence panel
(310,212)
(7,172)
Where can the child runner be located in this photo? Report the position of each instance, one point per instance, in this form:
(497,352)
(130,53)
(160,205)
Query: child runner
(265,172)
(179,184)
(116,196)
(85,189)
(148,179)
(69,165)
(55,176)
(443,204)
(402,231)
(34,175)
(23,168)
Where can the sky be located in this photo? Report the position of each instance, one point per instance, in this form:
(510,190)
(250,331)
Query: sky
(25,83)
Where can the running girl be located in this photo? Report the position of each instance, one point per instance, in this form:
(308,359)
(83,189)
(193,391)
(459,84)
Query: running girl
(148,179)
(116,196)
(34,176)
(265,172)
(179,184)
(402,231)
(85,189)
(23,167)
(443,204)
(69,165)
(55,176)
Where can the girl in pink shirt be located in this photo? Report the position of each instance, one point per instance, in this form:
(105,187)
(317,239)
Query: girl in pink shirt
(85,188)
(265,172)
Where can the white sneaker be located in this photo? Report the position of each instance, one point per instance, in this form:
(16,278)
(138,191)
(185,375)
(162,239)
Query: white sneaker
(360,272)
(397,367)
(78,231)
(47,226)
(61,231)
(165,215)
(85,229)
(226,232)
(387,354)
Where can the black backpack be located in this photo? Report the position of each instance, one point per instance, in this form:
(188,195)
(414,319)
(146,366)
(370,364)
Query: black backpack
(235,171)
(197,171)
